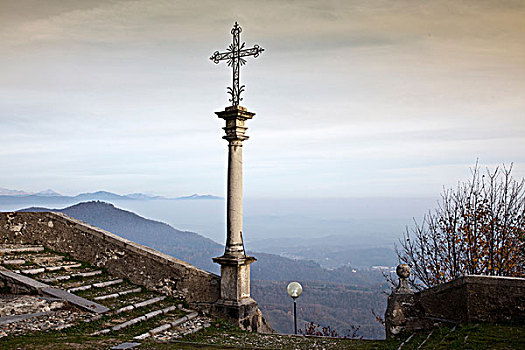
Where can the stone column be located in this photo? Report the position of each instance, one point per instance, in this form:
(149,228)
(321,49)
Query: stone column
(235,302)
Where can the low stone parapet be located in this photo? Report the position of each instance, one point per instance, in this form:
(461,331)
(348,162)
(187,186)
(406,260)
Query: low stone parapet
(470,298)
(476,298)
(121,257)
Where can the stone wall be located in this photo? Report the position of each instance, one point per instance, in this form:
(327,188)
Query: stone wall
(465,299)
(121,257)
(476,298)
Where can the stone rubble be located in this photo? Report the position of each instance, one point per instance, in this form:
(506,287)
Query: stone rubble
(53,320)
(26,304)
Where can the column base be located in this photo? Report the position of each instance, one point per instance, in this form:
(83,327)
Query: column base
(235,310)
(235,277)
(235,303)
(244,313)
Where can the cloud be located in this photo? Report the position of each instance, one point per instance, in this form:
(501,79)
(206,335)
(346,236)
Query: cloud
(345,93)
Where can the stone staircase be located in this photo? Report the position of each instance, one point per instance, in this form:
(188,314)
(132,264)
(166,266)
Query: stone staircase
(117,305)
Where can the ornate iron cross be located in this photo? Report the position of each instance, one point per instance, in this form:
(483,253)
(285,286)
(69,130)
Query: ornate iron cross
(234,57)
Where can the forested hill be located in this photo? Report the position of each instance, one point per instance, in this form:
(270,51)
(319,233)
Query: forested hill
(184,245)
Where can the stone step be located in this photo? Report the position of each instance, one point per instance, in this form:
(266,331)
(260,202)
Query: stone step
(191,331)
(129,299)
(149,301)
(125,346)
(80,288)
(426,339)
(96,285)
(113,289)
(88,274)
(21,249)
(107,283)
(13,262)
(38,270)
(38,259)
(82,281)
(139,305)
(45,259)
(167,326)
(73,275)
(33,271)
(136,320)
(144,317)
(118,294)
(55,278)
(65,267)
(406,341)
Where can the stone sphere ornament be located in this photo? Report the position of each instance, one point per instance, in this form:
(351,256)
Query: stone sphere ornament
(403,270)
(294,289)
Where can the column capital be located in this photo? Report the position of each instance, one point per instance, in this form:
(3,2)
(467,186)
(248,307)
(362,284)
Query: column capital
(235,112)
(235,116)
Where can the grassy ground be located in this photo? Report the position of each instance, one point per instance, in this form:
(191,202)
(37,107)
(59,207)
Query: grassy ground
(223,336)
(472,336)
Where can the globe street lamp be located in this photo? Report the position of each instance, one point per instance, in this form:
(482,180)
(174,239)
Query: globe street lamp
(294,290)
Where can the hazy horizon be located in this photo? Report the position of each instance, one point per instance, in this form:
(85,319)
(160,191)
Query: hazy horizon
(187,194)
(272,223)
(352,98)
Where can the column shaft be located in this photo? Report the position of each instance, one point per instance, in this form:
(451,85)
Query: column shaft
(234,240)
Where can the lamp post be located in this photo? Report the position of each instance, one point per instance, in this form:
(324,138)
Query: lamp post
(294,290)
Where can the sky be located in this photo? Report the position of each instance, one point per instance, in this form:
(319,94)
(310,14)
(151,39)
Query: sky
(352,98)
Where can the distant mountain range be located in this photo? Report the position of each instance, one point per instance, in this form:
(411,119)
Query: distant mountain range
(99,195)
(45,193)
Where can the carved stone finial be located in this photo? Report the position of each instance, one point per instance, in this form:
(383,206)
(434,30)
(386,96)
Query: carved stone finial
(403,272)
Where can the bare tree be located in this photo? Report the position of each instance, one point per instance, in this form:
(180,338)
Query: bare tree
(477,229)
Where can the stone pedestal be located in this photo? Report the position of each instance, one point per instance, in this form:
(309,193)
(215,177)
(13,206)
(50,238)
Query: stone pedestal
(235,302)
(235,277)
